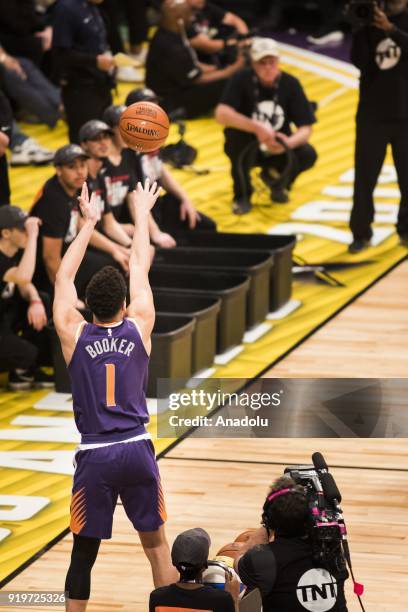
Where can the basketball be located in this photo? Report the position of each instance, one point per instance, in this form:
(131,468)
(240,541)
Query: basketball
(231,550)
(243,537)
(144,126)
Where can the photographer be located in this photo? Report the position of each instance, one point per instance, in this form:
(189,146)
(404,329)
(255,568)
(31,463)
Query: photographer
(282,566)
(258,107)
(189,555)
(380,51)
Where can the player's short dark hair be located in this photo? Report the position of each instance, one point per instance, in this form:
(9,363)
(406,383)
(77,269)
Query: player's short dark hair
(287,513)
(189,572)
(105,293)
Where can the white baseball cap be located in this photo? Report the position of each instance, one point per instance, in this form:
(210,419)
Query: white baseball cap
(262,47)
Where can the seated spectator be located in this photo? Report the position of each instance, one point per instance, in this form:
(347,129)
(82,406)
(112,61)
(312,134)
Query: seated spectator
(6,121)
(259,105)
(174,211)
(85,67)
(213,32)
(23,311)
(30,91)
(189,555)
(109,236)
(276,557)
(173,70)
(57,207)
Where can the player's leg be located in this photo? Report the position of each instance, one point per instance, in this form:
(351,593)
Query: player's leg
(143,501)
(78,580)
(157,550)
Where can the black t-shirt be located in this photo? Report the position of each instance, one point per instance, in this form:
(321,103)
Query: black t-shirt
(7,289)
(207,21)
(98,187)
(120,180)
(58,212)
(282,105)
(383,61)
(197,600)
(171,65)
(289,580)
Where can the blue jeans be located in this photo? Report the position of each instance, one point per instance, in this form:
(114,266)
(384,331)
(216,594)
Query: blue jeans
(36,94)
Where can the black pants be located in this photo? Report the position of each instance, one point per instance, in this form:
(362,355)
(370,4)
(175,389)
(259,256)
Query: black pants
(83,102)
(244,154)
(21,346)
(371,146)
(135,18)
(197,100)
(166,213)
(4,181)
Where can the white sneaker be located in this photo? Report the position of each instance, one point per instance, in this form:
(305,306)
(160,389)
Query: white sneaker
(139,57)
(30,153)
(327,39)
(128,74)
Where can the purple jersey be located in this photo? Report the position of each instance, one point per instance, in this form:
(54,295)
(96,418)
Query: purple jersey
(108,373)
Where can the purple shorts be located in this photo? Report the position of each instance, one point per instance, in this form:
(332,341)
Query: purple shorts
(128,470)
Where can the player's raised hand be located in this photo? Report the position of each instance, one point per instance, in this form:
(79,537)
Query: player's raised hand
(88,205)
(146,195)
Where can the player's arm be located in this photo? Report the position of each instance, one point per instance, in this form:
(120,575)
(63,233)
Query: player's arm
(66,316)
(24,272)
(141,307)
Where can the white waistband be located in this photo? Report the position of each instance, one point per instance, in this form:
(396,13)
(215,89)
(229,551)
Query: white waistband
(80,447)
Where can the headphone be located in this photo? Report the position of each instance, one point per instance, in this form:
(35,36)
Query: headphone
(265,518)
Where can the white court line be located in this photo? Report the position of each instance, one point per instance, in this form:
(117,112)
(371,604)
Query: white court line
(257,332)
(228,356)
(285,311)
(323,59)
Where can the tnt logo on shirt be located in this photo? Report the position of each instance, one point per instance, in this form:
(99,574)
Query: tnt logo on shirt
(269,112)
(388,54)
(317,590)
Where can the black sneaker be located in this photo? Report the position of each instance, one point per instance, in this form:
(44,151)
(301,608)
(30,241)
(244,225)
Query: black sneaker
(42,380)
(280,195)
(20,381)
(404,240)
(358,245)
(241,206)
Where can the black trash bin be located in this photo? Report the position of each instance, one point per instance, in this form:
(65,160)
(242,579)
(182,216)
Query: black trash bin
(281,247)
(62,379)
(256,264)
(171,356)
(230,288)
(205,311)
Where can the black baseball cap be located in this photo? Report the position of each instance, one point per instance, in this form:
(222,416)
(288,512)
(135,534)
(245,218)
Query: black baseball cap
(92,129)
(191,549)
(143,94)
(12,216)
(112,114)
(69,153)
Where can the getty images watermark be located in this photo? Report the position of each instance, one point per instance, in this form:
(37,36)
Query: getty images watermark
(283,408)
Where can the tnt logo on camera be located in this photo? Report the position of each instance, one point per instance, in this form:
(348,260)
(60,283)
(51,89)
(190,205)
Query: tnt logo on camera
(317,590)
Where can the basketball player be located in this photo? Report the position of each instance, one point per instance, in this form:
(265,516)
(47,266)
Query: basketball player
(107,361)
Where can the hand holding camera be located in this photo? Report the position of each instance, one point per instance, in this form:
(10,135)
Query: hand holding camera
(381,20)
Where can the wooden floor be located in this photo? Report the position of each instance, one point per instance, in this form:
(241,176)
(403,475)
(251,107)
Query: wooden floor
(220,484)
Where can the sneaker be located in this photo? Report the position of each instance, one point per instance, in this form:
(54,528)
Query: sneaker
(404,240)
(128,74)
(42,380)
(358,245)
(20,380)
(279,195)
(30,153)
(326,39)
(241,207)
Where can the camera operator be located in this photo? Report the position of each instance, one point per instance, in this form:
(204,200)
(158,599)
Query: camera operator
(380,51)
(278,559)
(259,104)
